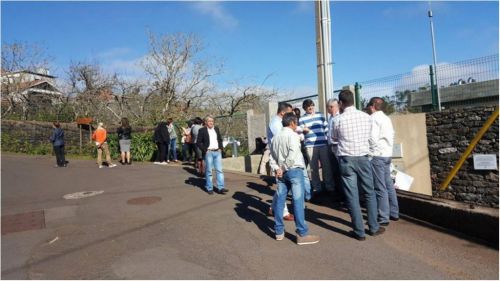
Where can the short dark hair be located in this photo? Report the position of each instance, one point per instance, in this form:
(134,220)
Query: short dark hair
(56,124)
(125,123)
(306,103)
(377,102)
(282,106)
(346,97)
(288,118)
(297,112)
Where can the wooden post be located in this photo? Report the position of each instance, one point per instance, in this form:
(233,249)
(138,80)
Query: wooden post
(80,126)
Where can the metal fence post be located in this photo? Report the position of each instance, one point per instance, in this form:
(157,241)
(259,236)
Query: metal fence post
(433,89)
(357,97)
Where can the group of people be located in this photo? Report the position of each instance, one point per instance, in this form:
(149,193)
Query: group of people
(201,135)
(353,149)
(200,139)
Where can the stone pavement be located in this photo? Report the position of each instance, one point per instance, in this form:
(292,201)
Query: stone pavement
(189,234)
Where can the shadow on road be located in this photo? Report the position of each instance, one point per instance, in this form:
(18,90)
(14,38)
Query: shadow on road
(197,182)
(251,208)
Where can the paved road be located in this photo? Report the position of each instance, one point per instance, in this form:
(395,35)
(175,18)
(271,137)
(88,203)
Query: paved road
(191,235)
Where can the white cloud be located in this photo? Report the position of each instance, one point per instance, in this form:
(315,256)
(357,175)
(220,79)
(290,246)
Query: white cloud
(126,69)
(113,53)
(216,11)
(303,7)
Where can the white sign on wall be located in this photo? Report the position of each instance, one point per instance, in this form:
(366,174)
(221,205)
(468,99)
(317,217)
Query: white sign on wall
(485,161)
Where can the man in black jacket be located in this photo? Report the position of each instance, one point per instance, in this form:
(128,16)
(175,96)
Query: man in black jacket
(210,143)
(162,139)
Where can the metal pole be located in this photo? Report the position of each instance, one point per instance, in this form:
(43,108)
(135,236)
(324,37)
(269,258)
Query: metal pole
(429,13)
(357,96)
(323,53)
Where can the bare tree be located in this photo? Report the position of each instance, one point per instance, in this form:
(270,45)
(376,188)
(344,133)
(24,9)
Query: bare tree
(92,90)
(179,78)
(241,98)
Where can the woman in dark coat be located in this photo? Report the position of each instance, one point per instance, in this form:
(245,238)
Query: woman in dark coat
(57,139)
(162,139)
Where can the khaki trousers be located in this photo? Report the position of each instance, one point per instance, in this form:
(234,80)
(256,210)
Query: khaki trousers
(104,147)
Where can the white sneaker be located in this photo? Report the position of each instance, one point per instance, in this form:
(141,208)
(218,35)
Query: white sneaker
(280,237)
(157,163)
(163,163)
(112,165)
(101,166)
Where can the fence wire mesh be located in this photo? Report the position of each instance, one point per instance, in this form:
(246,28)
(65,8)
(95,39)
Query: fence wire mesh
(466,83)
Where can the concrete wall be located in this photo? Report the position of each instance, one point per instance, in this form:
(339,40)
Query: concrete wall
(249,164)
(410,132)
(256,126)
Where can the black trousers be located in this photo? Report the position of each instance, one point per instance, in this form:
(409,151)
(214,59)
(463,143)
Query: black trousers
(162,151)
(59,152)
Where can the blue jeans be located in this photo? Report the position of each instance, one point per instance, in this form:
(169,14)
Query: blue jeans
(356,175)
(292,179)
(173,149)
(213,160)
(307,185)
(384,188)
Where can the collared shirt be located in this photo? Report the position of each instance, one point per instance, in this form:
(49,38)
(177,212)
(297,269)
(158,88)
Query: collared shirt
(285,151)
(214,144)
(274,127)
(382,135)
(318,129)
(331,121)
(352,129)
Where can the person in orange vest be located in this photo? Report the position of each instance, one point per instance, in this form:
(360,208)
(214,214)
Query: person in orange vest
(100,136)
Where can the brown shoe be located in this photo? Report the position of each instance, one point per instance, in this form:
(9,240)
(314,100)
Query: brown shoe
(289,217)
(308,239)
(378,232)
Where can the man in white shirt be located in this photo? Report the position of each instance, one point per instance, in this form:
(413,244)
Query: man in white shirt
(352,130)
(382,139)
(275,126)
(332,107)
(210,143)
(288,164)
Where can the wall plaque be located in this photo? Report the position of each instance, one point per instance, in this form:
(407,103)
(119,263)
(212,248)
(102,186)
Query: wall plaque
(485,161)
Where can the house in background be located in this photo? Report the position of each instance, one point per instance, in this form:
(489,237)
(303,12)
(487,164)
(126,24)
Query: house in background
(29,88)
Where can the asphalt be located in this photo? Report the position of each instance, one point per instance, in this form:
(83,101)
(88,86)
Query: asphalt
(189,234)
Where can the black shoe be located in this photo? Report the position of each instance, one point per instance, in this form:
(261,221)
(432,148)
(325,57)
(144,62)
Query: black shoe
(384,223)
(129,163)
(211,192)
(359,238)
(379,231)
(393,219)
(223,191)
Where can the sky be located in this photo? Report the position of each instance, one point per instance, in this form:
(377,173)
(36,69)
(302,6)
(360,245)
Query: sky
(370,39)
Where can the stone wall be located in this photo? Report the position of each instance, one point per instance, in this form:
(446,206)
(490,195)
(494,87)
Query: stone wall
(36,133)
(448,135)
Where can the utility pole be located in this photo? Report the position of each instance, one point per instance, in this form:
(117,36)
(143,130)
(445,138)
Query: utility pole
(323,53)
(429,13)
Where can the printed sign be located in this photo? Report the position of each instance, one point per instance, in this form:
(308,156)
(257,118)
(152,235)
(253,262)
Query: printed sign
(485,161)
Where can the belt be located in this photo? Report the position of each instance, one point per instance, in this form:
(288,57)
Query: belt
(213,149)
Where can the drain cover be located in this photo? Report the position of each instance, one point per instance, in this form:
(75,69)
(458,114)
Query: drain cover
(144,200)
(82,194)
(23,222)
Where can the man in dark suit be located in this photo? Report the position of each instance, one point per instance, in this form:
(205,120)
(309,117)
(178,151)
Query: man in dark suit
(210,143)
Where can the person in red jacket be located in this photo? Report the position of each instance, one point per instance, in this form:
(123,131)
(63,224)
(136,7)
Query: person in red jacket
(100,137)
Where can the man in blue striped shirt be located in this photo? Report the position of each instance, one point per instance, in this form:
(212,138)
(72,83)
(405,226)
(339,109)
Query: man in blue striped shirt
(315,130)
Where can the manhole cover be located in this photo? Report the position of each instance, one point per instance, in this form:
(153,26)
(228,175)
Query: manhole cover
(23,222)
(144,200)
(82,194)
